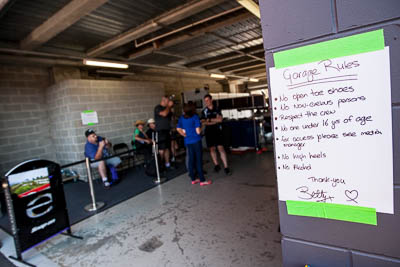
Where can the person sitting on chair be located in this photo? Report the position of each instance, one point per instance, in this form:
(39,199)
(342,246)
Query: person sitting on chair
(151,123)
(141,142)
(97,148)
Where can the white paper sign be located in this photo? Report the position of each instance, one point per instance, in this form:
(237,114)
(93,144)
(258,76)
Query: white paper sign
(333,131)
(89,117)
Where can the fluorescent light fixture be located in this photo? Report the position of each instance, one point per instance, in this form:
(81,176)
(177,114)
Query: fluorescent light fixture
(104,64)
(218,76)
(251,6)
(253,80)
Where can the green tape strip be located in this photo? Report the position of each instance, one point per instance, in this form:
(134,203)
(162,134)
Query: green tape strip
(90,123)
(332,211)
(88,111)
(355,44)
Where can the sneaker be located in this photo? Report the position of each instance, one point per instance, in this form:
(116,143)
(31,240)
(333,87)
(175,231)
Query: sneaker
(106,185)
(206,182)
(228,171)
(196,181)
(217,168)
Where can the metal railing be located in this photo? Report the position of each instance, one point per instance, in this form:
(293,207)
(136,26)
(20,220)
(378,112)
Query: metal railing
(95,205)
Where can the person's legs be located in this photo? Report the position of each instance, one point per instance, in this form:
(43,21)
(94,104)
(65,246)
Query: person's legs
(115,161)
(211,144)
(191,153)
(161,152)
(198,149)
(187,158)
(222,154)
(147,153)
(174,145)
(112,163)
(166,157)
(164,142)
(213,154)
(146,150)
(101,166)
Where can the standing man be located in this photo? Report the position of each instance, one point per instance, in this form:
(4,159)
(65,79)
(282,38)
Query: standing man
(97,148)
(162,116)
(211,117)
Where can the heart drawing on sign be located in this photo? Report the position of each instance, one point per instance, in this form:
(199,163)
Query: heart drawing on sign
(352,195)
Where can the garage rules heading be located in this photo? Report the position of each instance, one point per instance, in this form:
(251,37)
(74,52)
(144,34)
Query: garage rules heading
(333,131)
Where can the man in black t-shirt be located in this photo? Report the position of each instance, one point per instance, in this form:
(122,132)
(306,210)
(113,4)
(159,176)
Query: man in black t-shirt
(211,117)
(162,116)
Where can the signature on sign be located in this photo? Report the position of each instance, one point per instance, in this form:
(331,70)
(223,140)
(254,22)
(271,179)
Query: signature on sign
(318,195)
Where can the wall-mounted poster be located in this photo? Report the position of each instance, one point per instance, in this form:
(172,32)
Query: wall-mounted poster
(89,117)
(332,118)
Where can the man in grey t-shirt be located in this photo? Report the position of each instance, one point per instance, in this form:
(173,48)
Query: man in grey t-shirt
(162,116)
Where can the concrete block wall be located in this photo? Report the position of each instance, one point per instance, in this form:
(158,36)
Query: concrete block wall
(289,24)
(177,83)
(24,127)
(40,120)
(118,105)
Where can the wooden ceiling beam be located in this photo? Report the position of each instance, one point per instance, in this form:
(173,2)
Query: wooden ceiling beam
(62,19)
(251,6)
(167,18)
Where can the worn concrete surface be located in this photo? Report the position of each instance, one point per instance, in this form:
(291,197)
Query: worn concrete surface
(232,222)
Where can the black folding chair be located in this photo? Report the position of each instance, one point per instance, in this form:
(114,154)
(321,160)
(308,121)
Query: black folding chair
(125,158)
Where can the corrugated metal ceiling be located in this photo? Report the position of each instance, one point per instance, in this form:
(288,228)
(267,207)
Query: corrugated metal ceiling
(26,15)
(117,16)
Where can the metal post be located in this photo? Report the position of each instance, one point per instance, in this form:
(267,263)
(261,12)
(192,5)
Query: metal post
(254,124)
(155,149)
(94,206)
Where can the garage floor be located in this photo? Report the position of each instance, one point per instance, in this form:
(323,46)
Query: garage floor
(232,222)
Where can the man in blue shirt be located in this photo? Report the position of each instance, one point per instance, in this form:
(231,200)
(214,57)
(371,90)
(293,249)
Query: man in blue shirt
(96,148)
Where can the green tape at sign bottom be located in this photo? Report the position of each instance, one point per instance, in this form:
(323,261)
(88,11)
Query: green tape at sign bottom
(332,211)
(90,123)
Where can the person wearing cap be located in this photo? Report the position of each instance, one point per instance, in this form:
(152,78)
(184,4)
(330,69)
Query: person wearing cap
(151,124)
(162,116)
(141,141)
(96,148)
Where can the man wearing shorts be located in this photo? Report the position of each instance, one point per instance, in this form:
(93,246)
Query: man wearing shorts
(162,116)
(211,117)
(97,148)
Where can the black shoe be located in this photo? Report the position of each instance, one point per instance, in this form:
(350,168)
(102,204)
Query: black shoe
(217,168)
(228,171)
(170,168)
